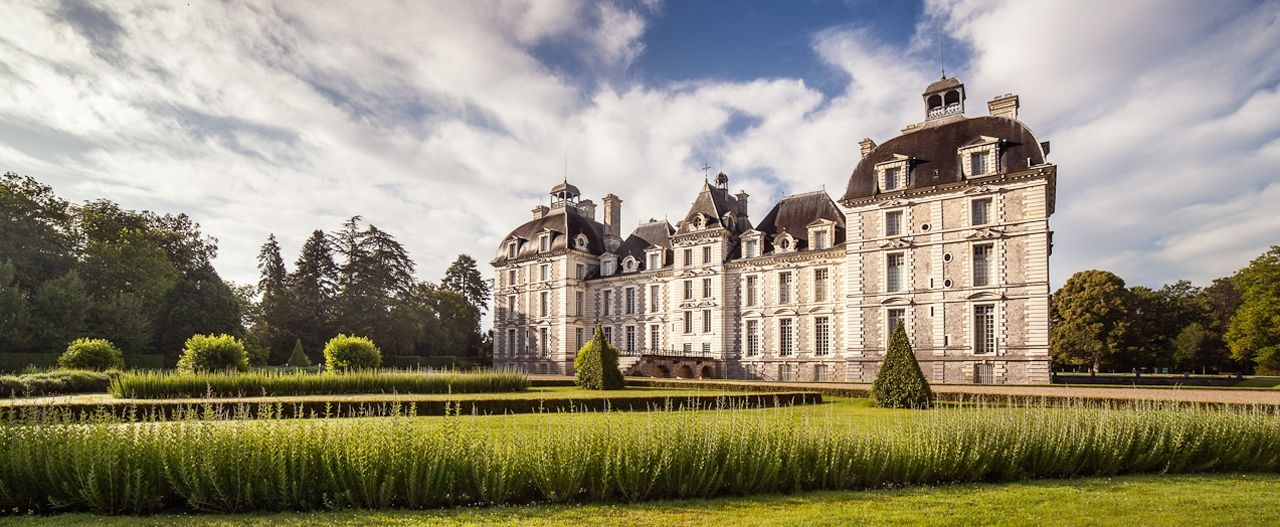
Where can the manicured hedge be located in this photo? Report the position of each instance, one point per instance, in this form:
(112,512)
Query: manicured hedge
(58,382)
(900,383)
(92,354)
(19,362)
(162,385)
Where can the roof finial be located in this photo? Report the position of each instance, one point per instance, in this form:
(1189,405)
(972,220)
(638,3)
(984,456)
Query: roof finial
(942,55)
(706,172)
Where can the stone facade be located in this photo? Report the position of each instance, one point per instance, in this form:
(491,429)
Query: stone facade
(943,228)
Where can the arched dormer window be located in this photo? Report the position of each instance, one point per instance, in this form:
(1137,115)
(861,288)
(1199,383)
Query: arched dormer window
(629,265)
(700,222)
(784,243)
(580,241)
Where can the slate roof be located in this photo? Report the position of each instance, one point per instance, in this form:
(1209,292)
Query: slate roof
(934,152)
(646,236)
(716,202)
(793,214)
(565,226)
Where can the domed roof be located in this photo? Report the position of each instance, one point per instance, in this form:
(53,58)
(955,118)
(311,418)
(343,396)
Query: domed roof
(570,191)
(564,226)
(933,152)
(942,84)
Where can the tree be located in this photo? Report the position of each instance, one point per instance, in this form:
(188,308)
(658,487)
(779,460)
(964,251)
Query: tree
(298,359)
(1091,316)
(1254,331)
(35,231)
(274,306)
(596,365)
(1197,347)
(1158,317)
(900,383)
(14,315)
(463,277)
(200,303)
(59,313)
(311,293)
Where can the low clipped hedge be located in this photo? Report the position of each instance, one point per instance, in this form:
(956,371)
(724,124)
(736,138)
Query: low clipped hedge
(92,354)
(160,385)
(59,382)
(344,353)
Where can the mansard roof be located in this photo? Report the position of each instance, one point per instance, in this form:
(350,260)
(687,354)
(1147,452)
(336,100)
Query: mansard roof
(564,225)
(793,214)
(655,233)
(716,202)
(933,153)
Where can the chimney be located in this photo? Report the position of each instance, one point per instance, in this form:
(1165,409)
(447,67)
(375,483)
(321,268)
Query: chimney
(742,203)
(867,146)
(587,209)
(612,216)
(540,211)
(1004,106)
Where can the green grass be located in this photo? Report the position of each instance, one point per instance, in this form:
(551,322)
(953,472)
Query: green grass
(110,467)
(166,385)
(1193,501)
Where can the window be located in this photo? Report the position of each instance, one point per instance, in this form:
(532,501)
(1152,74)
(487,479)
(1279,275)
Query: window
(785,372)
(706,254)
(984,374)
(753,248)
(821,373)
(977,163)
(893,223)
(753,338)
(544,243)
(822,336)
(655,261)
(688,256)
(981,209)
(581,271)
(543,342)
(608,334)
(785,343)
(511,249)
(653,298)
(511,306)
(629,265)
(688,322)
(706,288)
(544,303)
(631,340)
(630,301)
(688,289)
(819,285)
(545,272)
(511,277)
(751,290)
(892,181)
(688,348)
(577,303)
(820,240)
(784,288)
(895,265)
(981,265)
(706,321)
(608,267)
(784,244)
(653,337)
(608,302)
(511,343)
(577,338)
(581,241)
(706,349)
(895,318)
(984,328)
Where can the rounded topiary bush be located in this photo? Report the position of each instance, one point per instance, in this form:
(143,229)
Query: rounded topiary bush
(92,354)
(596,366)
(900,383)
(343,353)
(213,353)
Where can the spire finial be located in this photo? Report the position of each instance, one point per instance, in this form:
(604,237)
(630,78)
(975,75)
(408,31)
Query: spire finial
(706,172)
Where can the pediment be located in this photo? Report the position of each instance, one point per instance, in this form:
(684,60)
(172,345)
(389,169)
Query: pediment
(984,233)
(896,300)
(894,203)
(896,243)
(986,295)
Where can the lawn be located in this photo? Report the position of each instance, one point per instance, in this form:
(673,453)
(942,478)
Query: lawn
(1191,500)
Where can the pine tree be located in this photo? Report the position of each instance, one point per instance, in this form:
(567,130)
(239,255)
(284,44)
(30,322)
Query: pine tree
(463,277)
(311,292)
(299,359)
(274,306)
(596,366)
(900,383)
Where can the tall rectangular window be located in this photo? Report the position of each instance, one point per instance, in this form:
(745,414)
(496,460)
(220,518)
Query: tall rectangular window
(820,285)
(706,321)
(544,243)
(706,349)
(578,303)
(544,303)
(895,267)
(820,240)
(511,343)
(654,342)
(981,211)
(577,338)
(545,271)
(981,265)
(706,288)
(580,271)
(511,277)
(784,288)
(984,329)
(688,289)
(706,254)
(655,261)
(893,223)
(631,339)
(688,256)
(892,179)
(631,301)
(753,338)
(821,373)
(608,302)
(753,249)
(785,336)
(688,322)
(653,298)
(608,334)
(511,306)
(894,318)
(977,163)
(751,290)
(511,250)
(544,342)
(822,336)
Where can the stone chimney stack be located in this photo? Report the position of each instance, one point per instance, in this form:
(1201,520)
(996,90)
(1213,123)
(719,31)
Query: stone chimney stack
(587,209)
(742,203)
(1004,106)
(540,211)
(613,216)
(867,145)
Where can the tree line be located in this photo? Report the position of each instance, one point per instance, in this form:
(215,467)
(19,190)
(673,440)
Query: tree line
(1231,325)
(145,281)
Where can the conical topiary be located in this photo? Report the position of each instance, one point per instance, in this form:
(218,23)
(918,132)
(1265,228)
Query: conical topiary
(900,383)
(596,365)
(298,359)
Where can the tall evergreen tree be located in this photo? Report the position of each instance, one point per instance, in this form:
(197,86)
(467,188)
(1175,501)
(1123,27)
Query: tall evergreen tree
(463,277)
(311,291)
(274,307)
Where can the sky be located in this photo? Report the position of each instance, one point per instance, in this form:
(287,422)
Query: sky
(446,122)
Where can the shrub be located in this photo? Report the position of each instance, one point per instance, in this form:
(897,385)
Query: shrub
(596,366)
(298,359)
(900,383)
(92,354)
(213,353)
(54,383)
(161,385)
(343,353)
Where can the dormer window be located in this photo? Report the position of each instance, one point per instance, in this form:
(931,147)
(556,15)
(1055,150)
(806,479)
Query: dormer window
(699,222)
(821,239)
(629,265)
(977,163)
(580,242)
(892,175)
(655,260)
(978,157)
(512,247)
(752,249)
(784,243)
(544,242)
(891,179)
(608,267)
